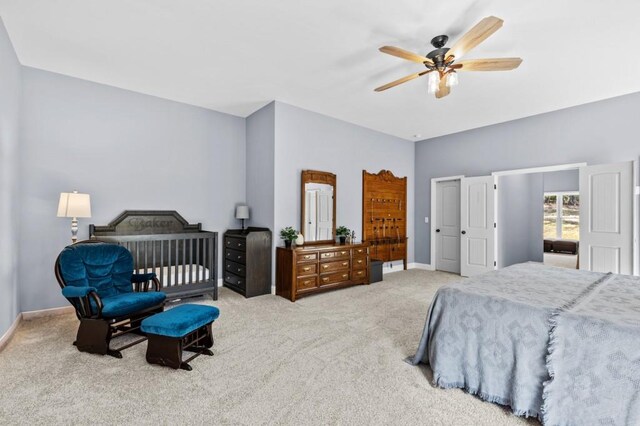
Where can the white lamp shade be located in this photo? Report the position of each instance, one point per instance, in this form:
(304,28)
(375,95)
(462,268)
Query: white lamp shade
(72,204)
(242,212)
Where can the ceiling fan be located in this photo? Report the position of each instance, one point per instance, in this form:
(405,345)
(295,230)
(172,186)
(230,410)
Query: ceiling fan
(441,63)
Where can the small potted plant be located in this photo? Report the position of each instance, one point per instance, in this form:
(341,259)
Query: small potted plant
(288,234)
(343,232)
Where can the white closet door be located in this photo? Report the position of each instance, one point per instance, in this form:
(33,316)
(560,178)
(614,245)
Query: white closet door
(448,226)
(477,231)
(606,218)
(325,215)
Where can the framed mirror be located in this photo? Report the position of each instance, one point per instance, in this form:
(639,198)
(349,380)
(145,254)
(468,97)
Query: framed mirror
(318,224)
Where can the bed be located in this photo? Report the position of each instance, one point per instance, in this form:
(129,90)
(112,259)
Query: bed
(183,256)
(559,344)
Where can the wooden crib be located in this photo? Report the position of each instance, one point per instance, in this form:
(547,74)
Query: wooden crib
(183,256)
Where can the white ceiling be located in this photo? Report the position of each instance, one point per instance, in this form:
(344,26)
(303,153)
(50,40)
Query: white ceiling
(235,56)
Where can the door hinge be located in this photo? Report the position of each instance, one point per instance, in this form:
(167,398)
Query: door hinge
(495,263)
(495,225)
(495,186)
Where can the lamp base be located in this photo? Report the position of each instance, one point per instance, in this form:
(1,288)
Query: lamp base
(74,230)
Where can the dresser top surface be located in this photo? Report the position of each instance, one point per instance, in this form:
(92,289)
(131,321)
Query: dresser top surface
(325,247)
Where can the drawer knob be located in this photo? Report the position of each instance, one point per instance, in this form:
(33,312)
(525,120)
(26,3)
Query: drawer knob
(239,244)
(306,269)
(325,279)
(307,257)
(343,252)
(239,257)
(344,275)
(345,263)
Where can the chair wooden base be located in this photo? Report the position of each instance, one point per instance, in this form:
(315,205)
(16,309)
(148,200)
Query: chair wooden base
(95,335)
(167,351)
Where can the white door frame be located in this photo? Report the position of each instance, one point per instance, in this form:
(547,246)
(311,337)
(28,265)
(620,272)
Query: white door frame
(496,175)
(432,219)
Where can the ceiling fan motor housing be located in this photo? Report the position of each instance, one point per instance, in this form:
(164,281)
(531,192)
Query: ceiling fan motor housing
(439,54)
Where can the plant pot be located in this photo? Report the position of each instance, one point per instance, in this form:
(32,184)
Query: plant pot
(343,239)
(287,243)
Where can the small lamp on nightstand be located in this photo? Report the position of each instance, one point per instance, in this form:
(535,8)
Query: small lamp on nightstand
(242,213)
(74,205)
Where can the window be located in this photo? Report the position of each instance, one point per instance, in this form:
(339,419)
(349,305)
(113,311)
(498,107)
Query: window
(562,215)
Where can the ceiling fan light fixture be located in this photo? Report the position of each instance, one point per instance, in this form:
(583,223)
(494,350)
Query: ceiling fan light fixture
(452,78)
(433,82)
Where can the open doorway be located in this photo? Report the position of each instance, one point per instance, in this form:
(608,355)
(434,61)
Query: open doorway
(561,229)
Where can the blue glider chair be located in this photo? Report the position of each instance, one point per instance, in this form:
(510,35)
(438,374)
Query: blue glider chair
(110,300)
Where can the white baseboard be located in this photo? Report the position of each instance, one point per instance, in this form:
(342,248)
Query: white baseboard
(6,337)
(29,315)
(397,267)
(424,266)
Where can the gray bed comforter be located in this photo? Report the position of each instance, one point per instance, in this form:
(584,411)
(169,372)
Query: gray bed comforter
(558,344)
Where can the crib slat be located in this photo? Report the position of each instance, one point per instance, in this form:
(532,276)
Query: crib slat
(162,262)
(176,263)
(184,261)
(198,240)
(146,250)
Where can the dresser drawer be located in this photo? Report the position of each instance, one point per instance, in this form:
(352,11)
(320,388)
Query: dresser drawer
(235,243)
(336,277)
(233,279)
(340,254)
(305,283)
(334,266)
(307,257)
(234,255)
(235,268)
(307,269)
(359,275)
(360,251)
(360,262)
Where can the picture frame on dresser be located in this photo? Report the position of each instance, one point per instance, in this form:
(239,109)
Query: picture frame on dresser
(247,261)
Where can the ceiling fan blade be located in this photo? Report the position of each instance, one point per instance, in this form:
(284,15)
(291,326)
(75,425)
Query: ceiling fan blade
(405,54)
(493,64)
(475,36)
(401,80)
(443,89)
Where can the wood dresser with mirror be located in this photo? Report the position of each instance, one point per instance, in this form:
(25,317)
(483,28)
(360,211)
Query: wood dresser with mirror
(320,264)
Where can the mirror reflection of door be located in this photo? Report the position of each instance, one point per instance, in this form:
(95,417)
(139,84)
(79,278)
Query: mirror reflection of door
(318,212)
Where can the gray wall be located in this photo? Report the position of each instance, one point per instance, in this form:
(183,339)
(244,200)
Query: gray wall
(561,181)
(129,151)
(260,163)
(601,132)
(10,94)
(520,213)
(307,140)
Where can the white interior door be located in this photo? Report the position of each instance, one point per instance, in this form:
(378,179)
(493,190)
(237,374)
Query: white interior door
(325,215)
(606,218)
(311,213)
(448,226)
(477,238)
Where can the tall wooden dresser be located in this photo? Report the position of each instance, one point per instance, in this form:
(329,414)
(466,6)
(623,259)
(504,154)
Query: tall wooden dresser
(312,268)
(247,261)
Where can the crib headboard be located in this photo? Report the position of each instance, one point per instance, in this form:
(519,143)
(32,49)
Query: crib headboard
(184,257)
(145,222)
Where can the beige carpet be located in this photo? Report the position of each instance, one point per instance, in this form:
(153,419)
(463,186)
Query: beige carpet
(334,358)
(561,260)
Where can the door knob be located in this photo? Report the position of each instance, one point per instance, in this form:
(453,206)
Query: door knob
(464,232)
(437,230)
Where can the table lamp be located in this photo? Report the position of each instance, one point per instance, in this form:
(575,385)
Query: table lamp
(74,205)
(242,213)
